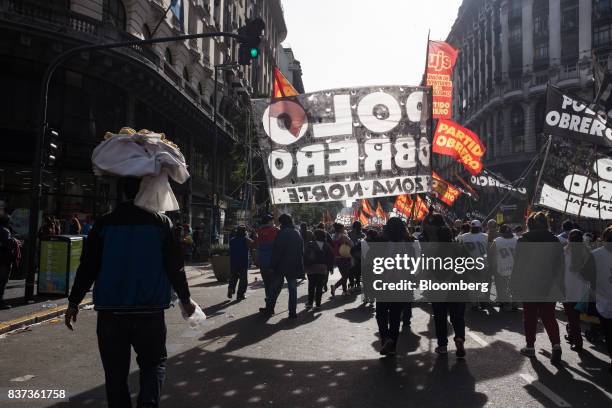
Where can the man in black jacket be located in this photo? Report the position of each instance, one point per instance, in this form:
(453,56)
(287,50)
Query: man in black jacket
(134,259)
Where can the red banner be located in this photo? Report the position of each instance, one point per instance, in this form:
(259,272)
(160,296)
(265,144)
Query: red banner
(440,64)
(443,190)
(406,206)
(453,140)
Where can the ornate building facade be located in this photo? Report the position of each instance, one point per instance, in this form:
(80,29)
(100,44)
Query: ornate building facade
(509,50)
(164,87)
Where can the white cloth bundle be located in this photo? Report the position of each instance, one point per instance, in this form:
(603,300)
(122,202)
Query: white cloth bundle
(143,154)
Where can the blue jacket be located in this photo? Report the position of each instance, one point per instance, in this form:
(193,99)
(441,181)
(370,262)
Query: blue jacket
(134,259)
(288,254)
(239,252)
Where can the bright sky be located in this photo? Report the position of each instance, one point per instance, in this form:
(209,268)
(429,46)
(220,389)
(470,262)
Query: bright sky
(344,43)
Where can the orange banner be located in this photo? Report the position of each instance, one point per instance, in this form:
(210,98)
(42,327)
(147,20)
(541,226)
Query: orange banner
(365,207)
(440,64)
(453,140)
(407,207)
(282,86)
(443,190)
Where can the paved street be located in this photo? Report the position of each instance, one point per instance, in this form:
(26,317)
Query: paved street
(325,359)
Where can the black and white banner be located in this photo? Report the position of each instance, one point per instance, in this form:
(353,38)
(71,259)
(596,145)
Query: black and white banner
(570,117)
(577,179)
(346,143)
(489,179)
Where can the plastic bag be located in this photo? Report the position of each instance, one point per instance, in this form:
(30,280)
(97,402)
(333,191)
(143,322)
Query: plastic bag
(197,319)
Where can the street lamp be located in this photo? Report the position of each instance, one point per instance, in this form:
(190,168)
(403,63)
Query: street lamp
(36,192)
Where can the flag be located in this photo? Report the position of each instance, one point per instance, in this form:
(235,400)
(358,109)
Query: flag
(439,75)
(443,190)
(282,86)
(380,213)
(365,207)
(176,6)
(408,208)
(451,139)
(363,219)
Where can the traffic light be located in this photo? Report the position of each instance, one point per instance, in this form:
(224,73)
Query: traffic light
(51,147)
(250,38)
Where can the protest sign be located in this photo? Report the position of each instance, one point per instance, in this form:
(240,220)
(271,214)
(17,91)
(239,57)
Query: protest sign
(346,143)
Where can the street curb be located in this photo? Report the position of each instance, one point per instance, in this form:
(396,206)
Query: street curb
(37,317)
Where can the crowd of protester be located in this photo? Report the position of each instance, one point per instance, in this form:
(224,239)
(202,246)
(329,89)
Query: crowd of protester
(577,262)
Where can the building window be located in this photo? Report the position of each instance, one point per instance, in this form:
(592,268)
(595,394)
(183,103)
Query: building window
(603,6)
(168,57)
(540,112)
(540,26)
(602,35)
(114,11)
(516,32)
(517,125)
(541,52)
(569,18)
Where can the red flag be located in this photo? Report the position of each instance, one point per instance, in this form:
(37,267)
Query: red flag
(440,64)
(363,219)
(365,207)
(443,190)
(451,139)
(405,206)
(282,86)
(380,213)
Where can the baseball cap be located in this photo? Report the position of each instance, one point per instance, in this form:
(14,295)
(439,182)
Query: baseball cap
(476,224)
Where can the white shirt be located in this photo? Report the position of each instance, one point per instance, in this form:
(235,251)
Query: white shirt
(476,244)
(575,286)
(603,267)
(504,254)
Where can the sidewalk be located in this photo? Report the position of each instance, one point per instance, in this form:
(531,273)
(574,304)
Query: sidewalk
(47,307)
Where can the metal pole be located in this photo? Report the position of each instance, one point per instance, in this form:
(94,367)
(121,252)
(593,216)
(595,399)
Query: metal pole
(36,192)
(215,198)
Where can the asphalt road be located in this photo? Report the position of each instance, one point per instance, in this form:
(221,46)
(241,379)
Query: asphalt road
(325,359)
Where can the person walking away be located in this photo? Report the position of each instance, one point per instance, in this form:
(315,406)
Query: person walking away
(536,274)
(388,314)
(576,287)
(239,263)
(446,248)
(287,263)
(305,233)
(328,239)
(134,250)
(356,233)
(265,236)
(598,271)
(566,227)
(501,261)
(6,261)
(339,243)
(476,242)
(318,258)
(492,230)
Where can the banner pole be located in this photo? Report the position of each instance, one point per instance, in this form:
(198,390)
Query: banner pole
(518,183)
(548,143)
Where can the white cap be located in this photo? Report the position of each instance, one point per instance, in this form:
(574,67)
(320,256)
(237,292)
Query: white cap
(476,224)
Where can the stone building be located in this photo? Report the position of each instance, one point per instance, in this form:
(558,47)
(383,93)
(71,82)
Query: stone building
(509,50)
(163,87)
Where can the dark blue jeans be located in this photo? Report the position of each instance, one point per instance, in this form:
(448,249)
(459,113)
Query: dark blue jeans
(277,286)
(117,334)
(441,312)
(239,276)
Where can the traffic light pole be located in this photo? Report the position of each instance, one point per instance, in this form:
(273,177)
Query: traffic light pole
(36,192)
